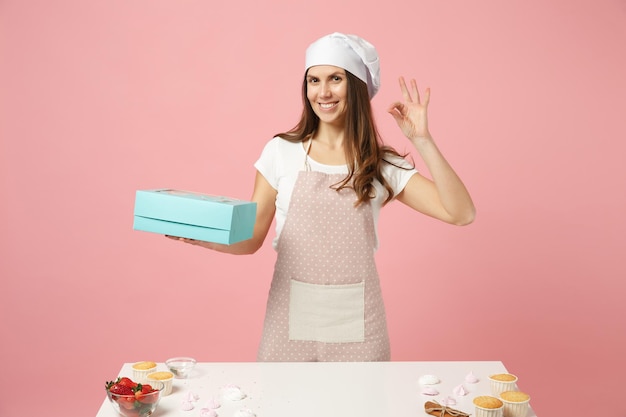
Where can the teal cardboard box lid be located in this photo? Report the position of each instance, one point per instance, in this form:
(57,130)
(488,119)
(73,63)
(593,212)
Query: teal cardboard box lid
(194,215)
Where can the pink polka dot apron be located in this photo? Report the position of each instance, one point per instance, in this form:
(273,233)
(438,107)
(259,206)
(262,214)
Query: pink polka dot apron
(325,302)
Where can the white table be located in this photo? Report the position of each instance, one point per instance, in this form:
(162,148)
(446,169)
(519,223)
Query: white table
(322,389)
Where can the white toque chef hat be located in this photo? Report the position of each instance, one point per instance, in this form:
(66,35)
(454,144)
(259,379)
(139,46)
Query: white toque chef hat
(350,52)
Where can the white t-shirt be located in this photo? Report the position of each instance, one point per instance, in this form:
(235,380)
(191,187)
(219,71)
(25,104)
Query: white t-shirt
(281,161)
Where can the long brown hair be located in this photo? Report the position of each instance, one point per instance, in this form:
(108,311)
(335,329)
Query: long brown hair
(365,152)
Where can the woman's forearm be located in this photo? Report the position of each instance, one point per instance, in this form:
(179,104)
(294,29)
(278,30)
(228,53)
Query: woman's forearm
(453,194)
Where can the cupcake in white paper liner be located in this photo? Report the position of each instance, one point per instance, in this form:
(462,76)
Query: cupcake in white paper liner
(141,370)
(501,383)
(515,403)
(487,406)
(165,377)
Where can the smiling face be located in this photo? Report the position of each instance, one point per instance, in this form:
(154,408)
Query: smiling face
(327,91)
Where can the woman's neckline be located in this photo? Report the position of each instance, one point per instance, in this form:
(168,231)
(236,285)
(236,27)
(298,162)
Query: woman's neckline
(306,147)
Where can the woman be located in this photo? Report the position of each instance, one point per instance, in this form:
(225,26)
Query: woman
(325,181)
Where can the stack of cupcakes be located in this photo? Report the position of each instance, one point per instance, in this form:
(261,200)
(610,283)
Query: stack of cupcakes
(145,372)
(507,400)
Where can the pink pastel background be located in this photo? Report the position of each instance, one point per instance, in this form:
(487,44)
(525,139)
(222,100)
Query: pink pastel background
(101,98)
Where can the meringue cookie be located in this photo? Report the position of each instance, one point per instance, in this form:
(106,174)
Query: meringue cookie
(428,380)
(186,406)
(233,393)
(212,403)
(244,412)
(207,412)
(430,391)
(191,396)
(448,401)
(460,390)
(471,378)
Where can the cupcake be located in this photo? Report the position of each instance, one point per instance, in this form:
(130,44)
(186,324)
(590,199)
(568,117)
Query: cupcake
(502,382)
(165,377)
(515,403)
(487,406)
(142,369)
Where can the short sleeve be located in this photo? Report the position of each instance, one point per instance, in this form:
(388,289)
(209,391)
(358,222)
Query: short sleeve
(397,171)
(267,163)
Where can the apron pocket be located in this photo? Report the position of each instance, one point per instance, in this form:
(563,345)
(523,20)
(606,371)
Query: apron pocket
(327,313)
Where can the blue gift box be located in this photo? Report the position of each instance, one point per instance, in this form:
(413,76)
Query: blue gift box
(194,215)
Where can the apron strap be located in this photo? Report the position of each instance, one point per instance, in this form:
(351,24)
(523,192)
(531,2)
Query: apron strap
(307,166)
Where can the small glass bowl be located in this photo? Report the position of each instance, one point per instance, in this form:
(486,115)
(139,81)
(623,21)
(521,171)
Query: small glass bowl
(180,366)
(131,406)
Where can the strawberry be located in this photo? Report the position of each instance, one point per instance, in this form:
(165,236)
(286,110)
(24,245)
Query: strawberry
(144,394)
(146,398)
(134,399)
(126,382)
(119,389)
(126,402)
(109,384)
(144,388)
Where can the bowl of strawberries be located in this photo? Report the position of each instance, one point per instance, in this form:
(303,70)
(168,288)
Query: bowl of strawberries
(131,399)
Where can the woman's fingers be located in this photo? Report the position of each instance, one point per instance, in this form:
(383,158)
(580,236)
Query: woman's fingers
(182,239)
(416,92)
(414,95)
(396,110)
(426,97)
(405,90)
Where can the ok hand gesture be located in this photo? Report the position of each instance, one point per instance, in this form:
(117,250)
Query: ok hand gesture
(411,115)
